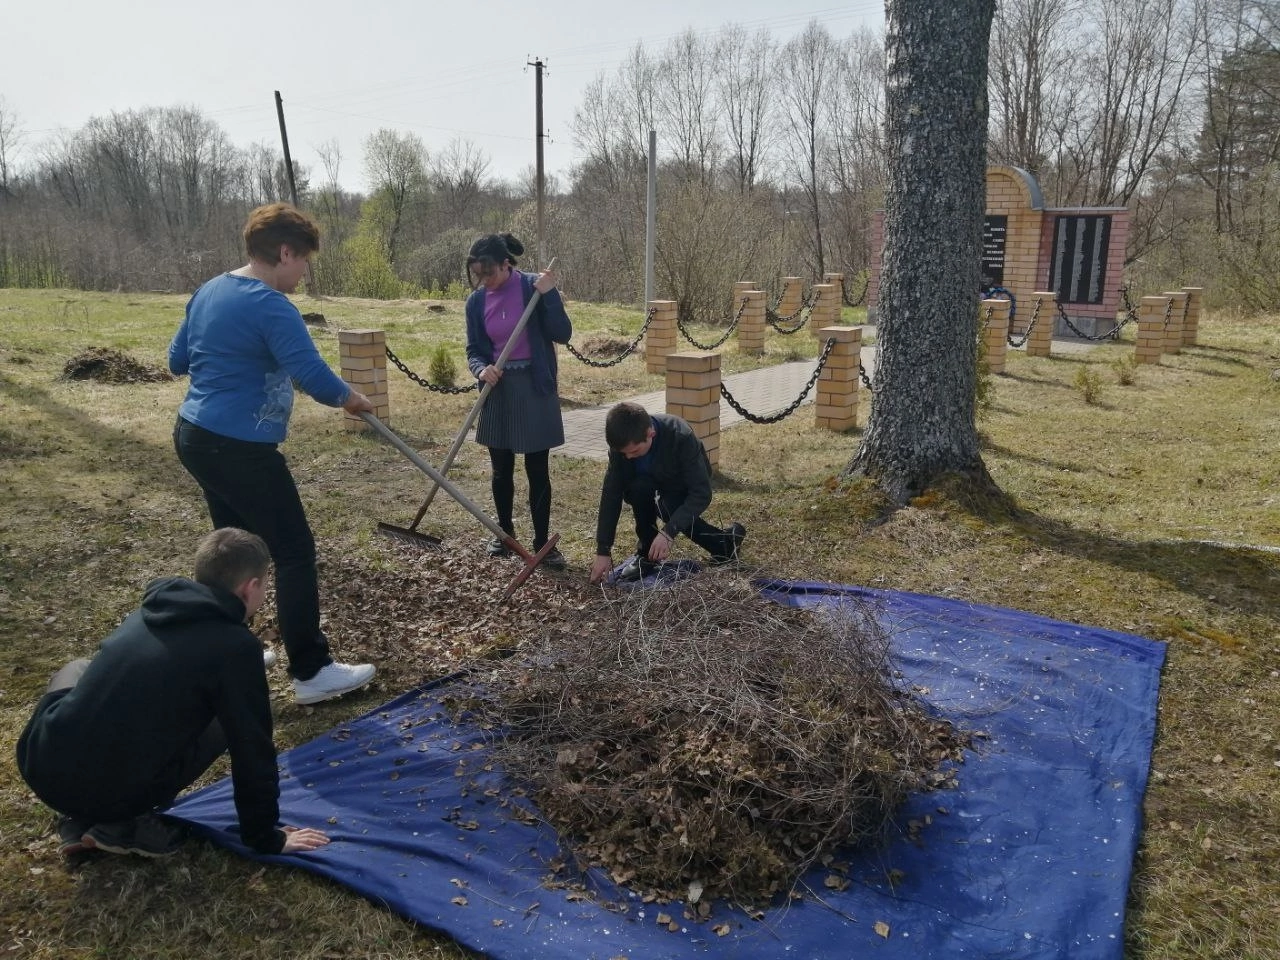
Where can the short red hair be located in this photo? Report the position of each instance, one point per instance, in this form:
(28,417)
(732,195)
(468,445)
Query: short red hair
(278,224)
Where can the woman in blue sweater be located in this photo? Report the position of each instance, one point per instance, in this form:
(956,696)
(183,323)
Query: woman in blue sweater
(522,413)
(244,345)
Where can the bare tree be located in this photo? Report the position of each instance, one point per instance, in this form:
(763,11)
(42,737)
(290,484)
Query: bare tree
(11,137)
(922,426)
(685,108)
(459,176)
(396,168)
(743,89)
(806,74)
(1032,81)
(855,159)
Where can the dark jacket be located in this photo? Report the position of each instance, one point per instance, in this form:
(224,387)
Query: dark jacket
(182,660)
(679,467)
(548,326)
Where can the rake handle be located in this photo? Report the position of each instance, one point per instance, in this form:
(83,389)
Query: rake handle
(463,500)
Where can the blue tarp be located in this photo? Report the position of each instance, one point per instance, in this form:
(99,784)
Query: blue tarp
(1029,857)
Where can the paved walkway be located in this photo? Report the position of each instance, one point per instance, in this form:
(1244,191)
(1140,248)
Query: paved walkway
(764,392)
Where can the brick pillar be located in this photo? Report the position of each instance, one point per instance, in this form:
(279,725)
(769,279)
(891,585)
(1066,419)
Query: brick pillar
(791,299)
(837,281)
(1173,330)
(1191,321)
(826,307)
(660,341)
(363,359)
(1150,329)
(1040,342)
(994,314)
(751,328)
(741,287)
(837,400)
(693,394)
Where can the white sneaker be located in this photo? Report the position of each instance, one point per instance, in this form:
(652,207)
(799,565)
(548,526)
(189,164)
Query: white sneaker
(268,657)
(332,681)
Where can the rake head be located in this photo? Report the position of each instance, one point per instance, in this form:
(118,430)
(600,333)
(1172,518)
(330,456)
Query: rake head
(412,537)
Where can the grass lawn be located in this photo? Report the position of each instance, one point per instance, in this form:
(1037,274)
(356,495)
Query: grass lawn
(1136,513)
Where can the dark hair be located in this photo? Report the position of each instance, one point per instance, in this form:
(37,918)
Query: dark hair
(626,423)
(495,248)
(276,224)
(229,556)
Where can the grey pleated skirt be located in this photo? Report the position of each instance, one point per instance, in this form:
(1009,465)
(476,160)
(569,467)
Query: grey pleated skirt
(516,417)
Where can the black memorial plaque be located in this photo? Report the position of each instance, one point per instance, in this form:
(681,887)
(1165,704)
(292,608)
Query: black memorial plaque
(995,229)
(1078,272)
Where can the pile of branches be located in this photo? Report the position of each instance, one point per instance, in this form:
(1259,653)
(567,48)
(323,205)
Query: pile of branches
(702,742)
(111,366)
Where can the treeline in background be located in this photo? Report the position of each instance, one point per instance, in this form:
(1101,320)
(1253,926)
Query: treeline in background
(771,163)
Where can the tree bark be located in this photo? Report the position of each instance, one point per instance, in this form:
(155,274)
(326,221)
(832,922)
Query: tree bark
(921,425)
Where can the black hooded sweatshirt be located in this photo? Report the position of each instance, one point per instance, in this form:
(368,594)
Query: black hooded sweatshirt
(182,660)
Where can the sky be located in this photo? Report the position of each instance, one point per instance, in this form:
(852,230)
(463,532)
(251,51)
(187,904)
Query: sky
(347,69)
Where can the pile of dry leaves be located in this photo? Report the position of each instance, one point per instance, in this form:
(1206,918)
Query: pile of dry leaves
(111,366)
(701,738)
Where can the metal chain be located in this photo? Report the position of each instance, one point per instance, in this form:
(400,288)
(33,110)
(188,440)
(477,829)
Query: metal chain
(822,362)
(653,312)
(733,325)
(1168,313)
(1112,334)
(866,285)
(1026,334)
(866,380)
(775,321)
(423,383)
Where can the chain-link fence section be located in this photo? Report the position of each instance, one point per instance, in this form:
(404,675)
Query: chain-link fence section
(733,325)
(631,348)
(774,418)
(400,365)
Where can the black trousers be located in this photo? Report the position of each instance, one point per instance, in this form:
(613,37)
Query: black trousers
(648,504)
(175,776)
(248,485)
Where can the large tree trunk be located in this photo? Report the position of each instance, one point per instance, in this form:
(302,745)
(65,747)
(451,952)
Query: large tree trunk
(921,425)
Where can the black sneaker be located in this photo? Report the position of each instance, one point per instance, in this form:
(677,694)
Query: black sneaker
(71,836)
(146,836)
(496,548)
(554,559)
(737,533)
(635,569)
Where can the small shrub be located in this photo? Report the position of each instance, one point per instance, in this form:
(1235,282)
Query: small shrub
(441,371)
(1089,384)
(1126,369)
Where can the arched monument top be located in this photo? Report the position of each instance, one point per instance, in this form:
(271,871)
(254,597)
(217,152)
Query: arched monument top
(1025,181)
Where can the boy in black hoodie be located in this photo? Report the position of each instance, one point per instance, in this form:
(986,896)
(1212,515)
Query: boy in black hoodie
(115,739)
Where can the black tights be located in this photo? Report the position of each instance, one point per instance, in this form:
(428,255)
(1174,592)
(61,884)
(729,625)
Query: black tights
(537,470)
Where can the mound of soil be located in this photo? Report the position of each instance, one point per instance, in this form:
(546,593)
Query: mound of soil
(111,366)
(600,346)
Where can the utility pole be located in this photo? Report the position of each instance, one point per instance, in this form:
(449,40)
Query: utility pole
(651,218)
(540,190)
(284,142)
(293,187)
